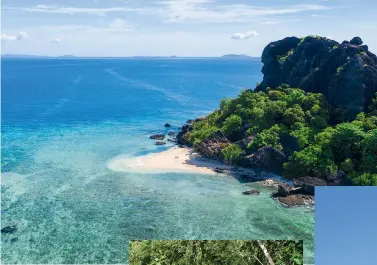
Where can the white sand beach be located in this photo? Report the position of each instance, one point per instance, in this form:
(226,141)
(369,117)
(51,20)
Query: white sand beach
(175,159)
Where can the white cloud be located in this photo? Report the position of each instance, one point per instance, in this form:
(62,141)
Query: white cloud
(211,11)
(52,9)
(119,24)
(22,35)
(244,36)
(56,40)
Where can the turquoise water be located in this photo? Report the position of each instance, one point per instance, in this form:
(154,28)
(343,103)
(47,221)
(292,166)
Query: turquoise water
(63,120)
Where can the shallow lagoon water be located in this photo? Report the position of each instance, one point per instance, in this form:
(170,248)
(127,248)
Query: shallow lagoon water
(63,120)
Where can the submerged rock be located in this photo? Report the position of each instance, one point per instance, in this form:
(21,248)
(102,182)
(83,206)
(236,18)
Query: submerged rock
(157,136)
(171,133)
(160,143)
(9,227)
(251,192)
(167,125)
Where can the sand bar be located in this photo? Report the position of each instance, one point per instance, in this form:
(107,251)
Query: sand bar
(175,159)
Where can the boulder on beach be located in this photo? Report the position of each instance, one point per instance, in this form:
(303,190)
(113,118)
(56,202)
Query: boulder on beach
(160,143)
(157,136)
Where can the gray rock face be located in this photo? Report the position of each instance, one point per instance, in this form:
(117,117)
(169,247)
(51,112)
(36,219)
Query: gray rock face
(308,184)
(297,200)
(345,73)
(339,179)
(211,146)
(266,158)
(182,136)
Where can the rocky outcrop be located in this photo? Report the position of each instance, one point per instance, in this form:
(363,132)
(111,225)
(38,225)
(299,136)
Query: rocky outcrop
(308,184)
(345,73)
(297,200)
(157,136)
(266,158)
(251,192)
(211,146)
(167,125)
(339,179)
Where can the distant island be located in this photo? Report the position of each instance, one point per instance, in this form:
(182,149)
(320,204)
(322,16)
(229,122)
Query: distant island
(238,56)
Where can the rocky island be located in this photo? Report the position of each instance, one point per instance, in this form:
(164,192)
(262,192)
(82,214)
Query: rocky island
(313,118)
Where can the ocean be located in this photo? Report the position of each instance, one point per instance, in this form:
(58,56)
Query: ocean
(63,120)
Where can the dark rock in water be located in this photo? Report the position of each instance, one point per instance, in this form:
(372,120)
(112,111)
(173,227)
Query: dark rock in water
(297,200)
(356,41)
(251,192)
(212,145)
(157,136)
(9,227)
(172,140)
(308,184)
(220,170)
(167,125)
(266,158)
(283,190)
(171,133)
(339,179)
(160,143)
(14,239)
(345,73)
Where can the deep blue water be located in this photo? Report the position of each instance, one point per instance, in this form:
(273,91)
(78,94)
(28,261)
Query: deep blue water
(64,119)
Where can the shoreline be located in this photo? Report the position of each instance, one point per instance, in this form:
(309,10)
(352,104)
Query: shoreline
(175,159)
(180,160)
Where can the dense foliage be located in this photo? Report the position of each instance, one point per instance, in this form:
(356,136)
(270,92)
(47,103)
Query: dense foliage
(214,252)
(297,123)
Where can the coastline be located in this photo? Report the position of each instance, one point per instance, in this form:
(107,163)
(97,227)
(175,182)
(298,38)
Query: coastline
(175,159)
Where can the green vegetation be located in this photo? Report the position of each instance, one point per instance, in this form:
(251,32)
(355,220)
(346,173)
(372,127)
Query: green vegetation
(231,154)
(215,252)
(283,113)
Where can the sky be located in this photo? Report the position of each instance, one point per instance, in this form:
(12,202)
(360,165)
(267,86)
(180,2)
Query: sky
(346,226)
(177,27)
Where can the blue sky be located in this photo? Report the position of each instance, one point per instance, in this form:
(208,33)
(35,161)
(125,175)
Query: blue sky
(346,226)
(177,27)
